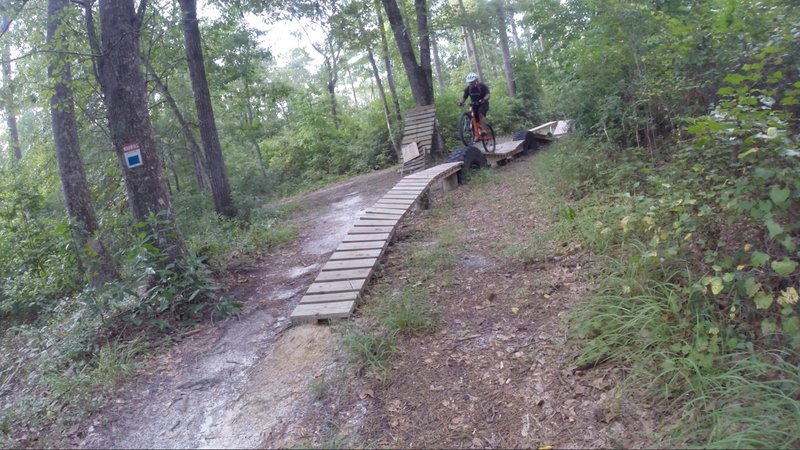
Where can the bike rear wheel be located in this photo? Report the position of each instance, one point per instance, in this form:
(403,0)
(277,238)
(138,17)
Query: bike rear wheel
(488,140)
(465,129)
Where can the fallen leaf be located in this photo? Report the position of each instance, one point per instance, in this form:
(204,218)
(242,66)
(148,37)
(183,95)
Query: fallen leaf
(366,393)
(514,309)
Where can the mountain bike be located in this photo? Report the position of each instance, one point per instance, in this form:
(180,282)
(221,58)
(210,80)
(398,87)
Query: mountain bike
(468,131)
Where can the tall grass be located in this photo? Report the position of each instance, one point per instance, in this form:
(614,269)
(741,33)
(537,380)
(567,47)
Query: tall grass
(712,384)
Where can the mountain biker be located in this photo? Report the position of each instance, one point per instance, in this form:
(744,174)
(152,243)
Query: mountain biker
(479,96)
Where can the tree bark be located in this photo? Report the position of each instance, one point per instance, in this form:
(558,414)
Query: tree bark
(387,62)
(67,147)
(125,96)
(507,68)
(437,65)
(419,74)
(215,164)
(8,100)
(198,160)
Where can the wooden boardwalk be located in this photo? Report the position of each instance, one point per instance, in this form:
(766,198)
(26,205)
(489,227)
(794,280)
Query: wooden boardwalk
(338,287)
(502,153)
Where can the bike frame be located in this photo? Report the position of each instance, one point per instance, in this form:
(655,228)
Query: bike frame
(475,129)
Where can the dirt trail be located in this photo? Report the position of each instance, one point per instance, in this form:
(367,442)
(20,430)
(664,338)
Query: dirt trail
(237,383)
(499,372)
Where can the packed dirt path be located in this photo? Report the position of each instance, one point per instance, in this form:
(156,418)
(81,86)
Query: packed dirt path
(498,371)
(236,383)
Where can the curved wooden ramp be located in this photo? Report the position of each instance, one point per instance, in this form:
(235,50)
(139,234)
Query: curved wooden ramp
(338,287)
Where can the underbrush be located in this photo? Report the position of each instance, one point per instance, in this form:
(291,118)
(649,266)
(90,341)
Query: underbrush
(699,283)
(62,364)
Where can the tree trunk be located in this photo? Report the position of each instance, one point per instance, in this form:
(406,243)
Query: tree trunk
(67,146)
(509,71)
(387,62)
(517,43)
(215,164)
(419,74)
(9,101)
(198,161)
(471,41)
(125,96)
(437,65)
(376,74)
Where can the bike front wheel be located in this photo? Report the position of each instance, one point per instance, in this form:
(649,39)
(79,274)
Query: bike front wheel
(488,140)
(465,129)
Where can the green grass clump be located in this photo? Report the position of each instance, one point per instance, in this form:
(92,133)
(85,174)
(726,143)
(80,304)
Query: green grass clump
(410,312)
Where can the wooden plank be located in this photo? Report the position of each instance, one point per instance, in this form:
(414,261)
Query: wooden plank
(356,254)
(321,311)
(331,287)
(380,216)
(328,298)
(396,206)
(427,116)
(388,204)
(362,229)
(373,222)
(372,245)
(396,201)
(412,183)
(419,123)
(366,237)
(389,211)
(347,264)
(341,275)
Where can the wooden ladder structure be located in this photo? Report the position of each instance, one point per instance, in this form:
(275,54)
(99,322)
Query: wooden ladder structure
(338,287)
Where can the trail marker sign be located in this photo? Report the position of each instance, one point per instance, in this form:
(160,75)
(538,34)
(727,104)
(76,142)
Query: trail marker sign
(133,155)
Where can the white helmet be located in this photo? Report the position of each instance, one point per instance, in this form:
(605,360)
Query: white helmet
(471,77)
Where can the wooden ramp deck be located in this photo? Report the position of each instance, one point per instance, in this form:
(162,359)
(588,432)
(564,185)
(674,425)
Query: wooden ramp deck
(502,152)
(337,289)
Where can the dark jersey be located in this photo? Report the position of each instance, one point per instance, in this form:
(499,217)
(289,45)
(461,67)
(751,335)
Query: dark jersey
(476,93)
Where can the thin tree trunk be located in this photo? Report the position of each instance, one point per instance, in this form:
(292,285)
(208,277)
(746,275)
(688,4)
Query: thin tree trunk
(9,101)
(215,164)
(198,160)
(507,68)
(125,96)
(517,42)
(471,41)
(437,64)
(387,62)
(376,74)
(352,84)
(98,265)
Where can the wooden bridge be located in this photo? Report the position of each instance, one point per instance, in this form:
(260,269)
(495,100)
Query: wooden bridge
(338,287)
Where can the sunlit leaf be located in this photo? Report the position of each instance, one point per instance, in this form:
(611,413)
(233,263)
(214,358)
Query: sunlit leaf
(763,300)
